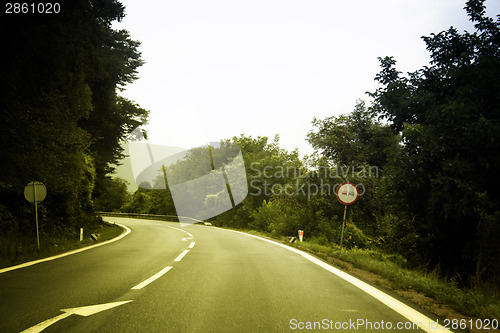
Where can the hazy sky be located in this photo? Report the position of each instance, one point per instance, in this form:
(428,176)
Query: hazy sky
(217,69)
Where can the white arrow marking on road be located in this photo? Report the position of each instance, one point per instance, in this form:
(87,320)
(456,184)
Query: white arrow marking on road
(185,239)
(82,311)
(191,245)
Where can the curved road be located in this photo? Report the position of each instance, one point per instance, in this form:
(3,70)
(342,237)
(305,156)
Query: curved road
(163,278)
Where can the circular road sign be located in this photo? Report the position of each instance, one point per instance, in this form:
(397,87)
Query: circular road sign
(35,191)
(347,193)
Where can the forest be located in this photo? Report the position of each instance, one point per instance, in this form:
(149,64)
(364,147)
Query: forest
(422,148)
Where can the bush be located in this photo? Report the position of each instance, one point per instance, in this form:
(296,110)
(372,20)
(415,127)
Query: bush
(113,195)
(354,237)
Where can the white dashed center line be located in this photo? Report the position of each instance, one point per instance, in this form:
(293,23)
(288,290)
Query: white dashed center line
(166,269)
(184,231)
(179,258)
(151,279)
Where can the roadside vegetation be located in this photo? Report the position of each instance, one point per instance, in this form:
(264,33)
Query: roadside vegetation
(443,297)
(21,249)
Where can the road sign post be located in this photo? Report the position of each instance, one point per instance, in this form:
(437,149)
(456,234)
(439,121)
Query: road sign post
(35,192)
(347,194)
(343,226)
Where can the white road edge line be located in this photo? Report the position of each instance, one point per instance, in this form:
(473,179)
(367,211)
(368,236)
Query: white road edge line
(191,245)
(151,279)
(184,231)
(179,258)
(30,263)
(398,306)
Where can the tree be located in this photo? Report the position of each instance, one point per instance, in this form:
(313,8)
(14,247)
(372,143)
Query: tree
(115,195)
(358,148)
(448,114)
(354,139)
(61,117)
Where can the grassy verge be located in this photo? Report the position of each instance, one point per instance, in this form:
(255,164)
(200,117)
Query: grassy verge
(17,251)
(466,302)
(427,290)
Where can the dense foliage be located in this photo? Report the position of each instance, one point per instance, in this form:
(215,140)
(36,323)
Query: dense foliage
(62,119)
(447,178)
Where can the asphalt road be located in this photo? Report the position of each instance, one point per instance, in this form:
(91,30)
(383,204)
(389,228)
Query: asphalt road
(194,279)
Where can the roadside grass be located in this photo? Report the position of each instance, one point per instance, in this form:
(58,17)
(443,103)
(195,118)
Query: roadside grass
(17,249)
(391,268)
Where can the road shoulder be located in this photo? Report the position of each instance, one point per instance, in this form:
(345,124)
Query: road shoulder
(97,243)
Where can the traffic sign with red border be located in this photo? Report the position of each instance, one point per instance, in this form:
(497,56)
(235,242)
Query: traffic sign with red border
(347,193)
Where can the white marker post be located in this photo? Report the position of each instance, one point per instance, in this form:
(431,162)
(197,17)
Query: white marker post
(301,235)
(35,192)
(347,193)
(81,235)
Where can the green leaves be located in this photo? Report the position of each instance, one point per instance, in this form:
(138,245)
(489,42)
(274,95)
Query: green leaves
(448,114)
(355,139)
(61,117)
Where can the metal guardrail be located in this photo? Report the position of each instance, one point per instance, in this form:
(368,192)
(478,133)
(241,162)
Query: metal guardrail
(168,218)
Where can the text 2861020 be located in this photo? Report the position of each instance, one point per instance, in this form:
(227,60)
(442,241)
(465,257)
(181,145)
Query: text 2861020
(32,8)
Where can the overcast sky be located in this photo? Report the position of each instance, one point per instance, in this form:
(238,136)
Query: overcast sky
(217,69)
